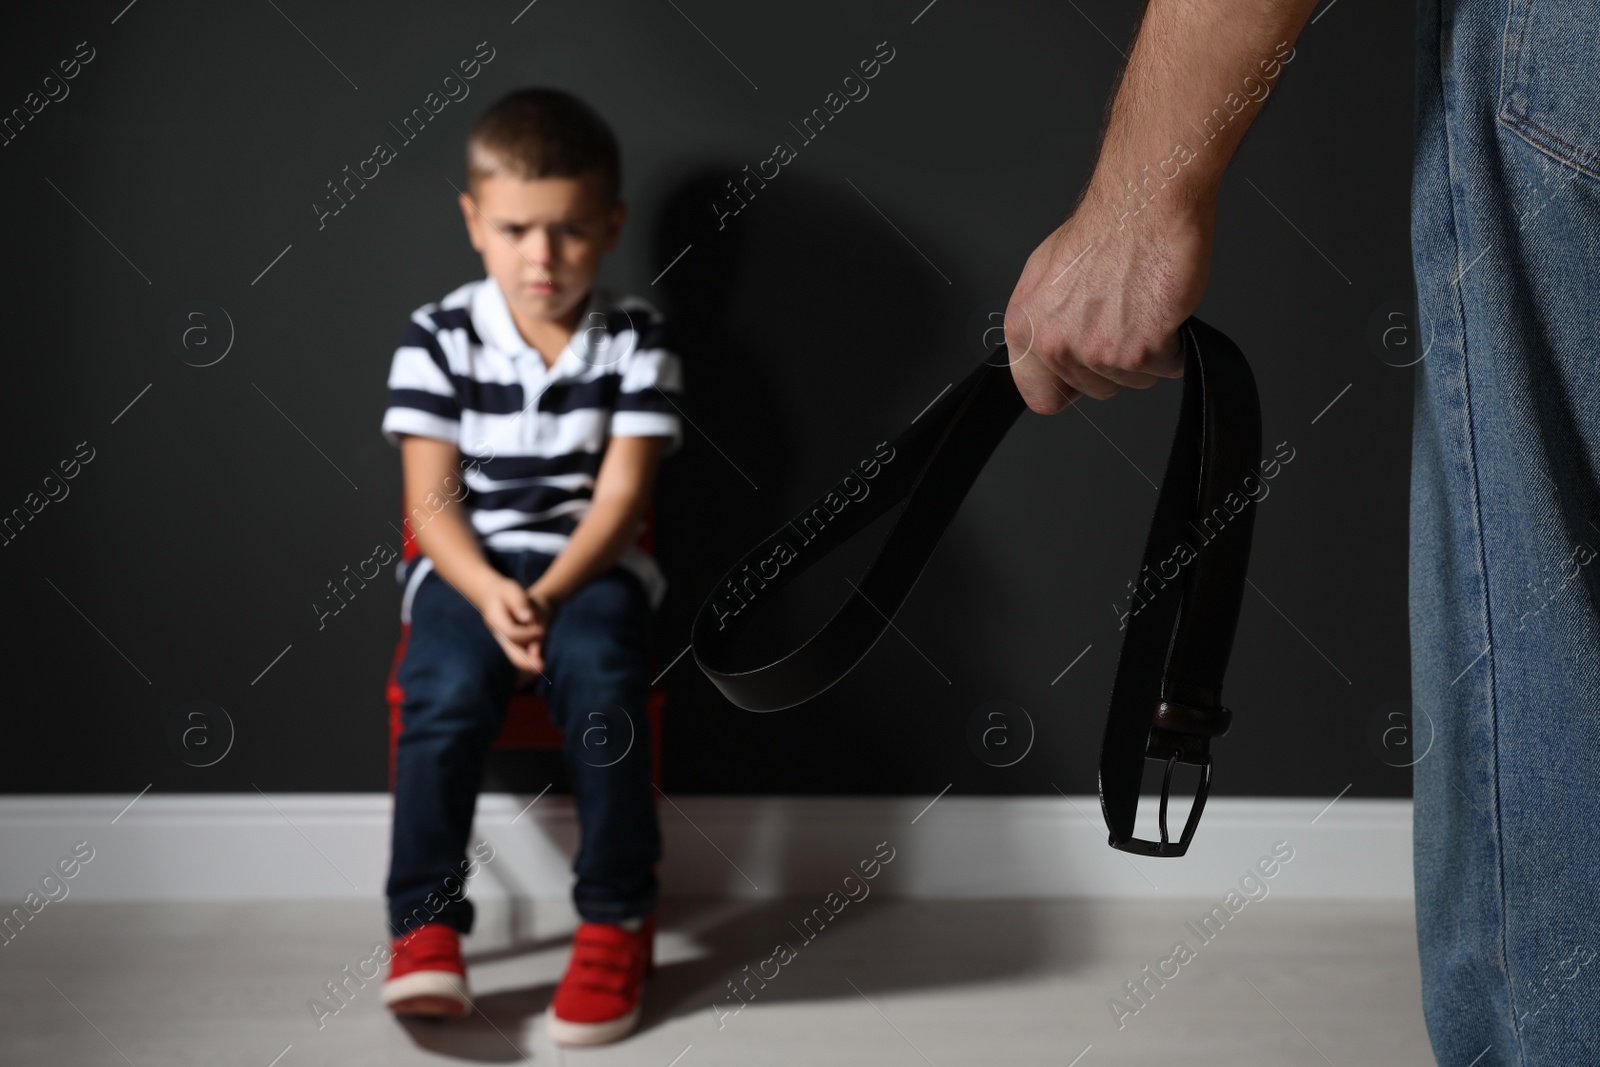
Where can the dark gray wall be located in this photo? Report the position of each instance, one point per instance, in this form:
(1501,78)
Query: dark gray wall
(190,549)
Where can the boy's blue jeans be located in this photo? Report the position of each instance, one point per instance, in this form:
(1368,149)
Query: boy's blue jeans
(456,680)
(1505,524)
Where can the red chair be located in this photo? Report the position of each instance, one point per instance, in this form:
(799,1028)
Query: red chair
(527,723)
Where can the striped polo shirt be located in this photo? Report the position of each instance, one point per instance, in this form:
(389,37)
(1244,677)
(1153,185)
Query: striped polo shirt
(533,436)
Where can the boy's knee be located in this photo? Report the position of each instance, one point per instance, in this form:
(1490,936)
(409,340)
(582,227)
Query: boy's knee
(451,668)
(460,694)
(597,666)
(612,610)
(464,691)
(597,674)
(611,602)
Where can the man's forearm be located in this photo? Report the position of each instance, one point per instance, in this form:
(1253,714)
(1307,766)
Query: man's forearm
(1099,302)
(1197,76)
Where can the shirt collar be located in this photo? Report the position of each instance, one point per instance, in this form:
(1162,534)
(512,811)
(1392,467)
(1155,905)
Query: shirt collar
(496,328)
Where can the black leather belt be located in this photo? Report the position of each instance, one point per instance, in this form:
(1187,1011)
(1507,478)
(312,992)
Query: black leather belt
(1166,701)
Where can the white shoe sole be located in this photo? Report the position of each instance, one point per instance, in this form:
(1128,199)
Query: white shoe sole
(439,993)
(569,1033)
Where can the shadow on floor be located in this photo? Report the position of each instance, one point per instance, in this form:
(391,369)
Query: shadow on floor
(872,947)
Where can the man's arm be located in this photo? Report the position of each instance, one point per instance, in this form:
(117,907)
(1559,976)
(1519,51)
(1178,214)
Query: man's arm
(1099,302)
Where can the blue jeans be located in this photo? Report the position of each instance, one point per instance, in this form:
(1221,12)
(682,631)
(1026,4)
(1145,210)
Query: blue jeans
(1504,598)
(456,680)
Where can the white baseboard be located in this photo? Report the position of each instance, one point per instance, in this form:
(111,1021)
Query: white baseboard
(182,847)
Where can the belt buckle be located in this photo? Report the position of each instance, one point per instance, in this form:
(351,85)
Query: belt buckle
(1181,733)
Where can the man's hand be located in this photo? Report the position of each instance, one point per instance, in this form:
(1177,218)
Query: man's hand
(1099,302)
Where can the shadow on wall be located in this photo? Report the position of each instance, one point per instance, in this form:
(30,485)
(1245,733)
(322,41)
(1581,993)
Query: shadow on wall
(780,403)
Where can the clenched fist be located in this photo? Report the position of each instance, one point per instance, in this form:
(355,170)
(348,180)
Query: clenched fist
(1099,302)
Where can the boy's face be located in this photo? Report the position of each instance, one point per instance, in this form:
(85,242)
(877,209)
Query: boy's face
(542,240)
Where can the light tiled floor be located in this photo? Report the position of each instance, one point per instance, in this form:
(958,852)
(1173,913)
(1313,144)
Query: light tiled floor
(888,982)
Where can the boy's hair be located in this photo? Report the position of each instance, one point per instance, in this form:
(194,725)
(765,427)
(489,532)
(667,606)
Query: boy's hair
(545,133)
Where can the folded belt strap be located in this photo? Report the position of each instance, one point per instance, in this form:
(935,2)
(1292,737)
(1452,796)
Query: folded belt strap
(1166,700)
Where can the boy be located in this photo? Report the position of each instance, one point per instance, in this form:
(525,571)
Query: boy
(532,574)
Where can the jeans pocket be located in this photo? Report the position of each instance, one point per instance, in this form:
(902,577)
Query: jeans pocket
(1550,79)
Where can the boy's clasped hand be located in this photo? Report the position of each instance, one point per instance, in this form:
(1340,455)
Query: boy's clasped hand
(518,617)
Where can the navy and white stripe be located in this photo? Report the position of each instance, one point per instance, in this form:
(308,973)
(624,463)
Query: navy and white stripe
(464,374)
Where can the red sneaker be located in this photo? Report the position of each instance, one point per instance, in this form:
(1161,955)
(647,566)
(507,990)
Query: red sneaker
(426,975)
(598,998)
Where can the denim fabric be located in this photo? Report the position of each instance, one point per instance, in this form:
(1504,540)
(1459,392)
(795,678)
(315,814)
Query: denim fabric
(456,682)
(1505,521)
